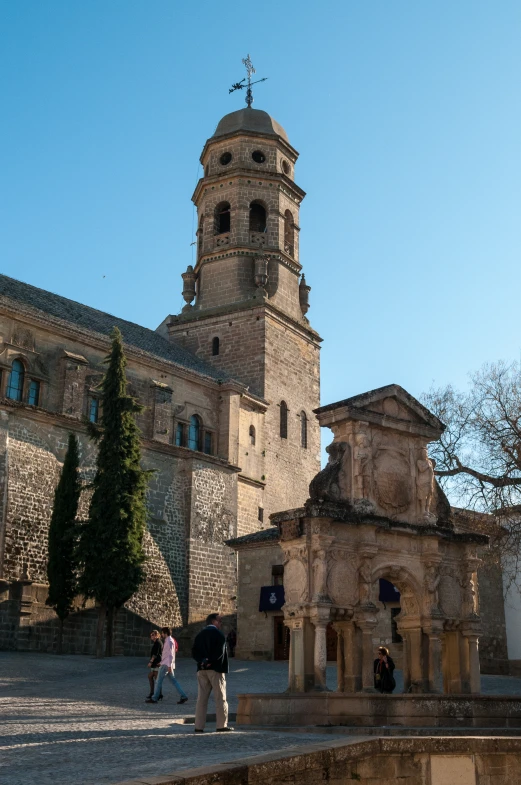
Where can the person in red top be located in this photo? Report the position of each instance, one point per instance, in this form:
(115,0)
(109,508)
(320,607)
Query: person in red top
(167,667)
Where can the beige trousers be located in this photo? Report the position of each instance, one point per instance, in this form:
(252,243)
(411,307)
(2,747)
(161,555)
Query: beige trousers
(207,681)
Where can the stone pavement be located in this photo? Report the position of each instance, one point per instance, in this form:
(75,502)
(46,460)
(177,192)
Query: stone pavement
(75,720)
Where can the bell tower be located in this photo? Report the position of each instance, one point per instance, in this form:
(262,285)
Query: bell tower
(247,299)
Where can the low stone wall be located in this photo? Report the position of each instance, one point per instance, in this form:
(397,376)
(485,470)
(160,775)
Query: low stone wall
(370,710)
(398,761)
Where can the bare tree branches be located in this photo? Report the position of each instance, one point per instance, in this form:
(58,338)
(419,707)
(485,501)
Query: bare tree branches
(478,457)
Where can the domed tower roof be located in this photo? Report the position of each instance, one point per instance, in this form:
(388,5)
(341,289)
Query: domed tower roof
(251,120)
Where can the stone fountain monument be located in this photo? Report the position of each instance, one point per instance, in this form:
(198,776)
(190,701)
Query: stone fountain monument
(376,511)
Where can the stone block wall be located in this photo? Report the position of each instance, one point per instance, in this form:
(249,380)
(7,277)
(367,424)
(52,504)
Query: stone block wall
(249,501)
(254,629)
(241,343)
(292,375)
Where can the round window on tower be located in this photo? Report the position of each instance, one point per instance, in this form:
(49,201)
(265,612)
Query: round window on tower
(286,168)
(258,157)
(225,159)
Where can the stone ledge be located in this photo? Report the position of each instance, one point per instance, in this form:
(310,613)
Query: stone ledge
(314,762)
(374,710)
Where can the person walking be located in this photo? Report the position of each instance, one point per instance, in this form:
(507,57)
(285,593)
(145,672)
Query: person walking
(154,661)
(167,668)
(209,651)
(383,671)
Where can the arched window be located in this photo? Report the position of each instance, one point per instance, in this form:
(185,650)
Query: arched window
(283,420)
(15,383)
(33,397)
(289,233)
(222,218)
(252,435)
(215,346)
(180,435)
(257,217)
(194,433)
(94,410)
(208,446)
(303,429)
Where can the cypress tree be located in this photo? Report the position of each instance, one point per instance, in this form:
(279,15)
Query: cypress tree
(63,535)
(111,549)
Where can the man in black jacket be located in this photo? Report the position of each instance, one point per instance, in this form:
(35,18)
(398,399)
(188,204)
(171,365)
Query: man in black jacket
(209,651)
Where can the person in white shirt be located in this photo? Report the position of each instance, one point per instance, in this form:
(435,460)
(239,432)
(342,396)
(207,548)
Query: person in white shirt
(167,668)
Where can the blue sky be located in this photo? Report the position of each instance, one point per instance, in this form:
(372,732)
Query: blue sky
(407,117)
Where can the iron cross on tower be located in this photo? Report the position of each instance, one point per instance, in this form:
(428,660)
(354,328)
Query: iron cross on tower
(239,85)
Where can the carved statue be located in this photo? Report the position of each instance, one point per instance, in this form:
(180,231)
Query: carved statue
(424,483)
(325,486)
(319,573)
(431,582)
(362,466)
(365,574)
(468,584)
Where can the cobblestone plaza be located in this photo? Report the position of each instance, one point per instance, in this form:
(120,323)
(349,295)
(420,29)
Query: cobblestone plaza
(78,720)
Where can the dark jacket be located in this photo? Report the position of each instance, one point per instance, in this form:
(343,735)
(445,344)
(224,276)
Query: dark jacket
(209,650)
(155,653)
(383,677)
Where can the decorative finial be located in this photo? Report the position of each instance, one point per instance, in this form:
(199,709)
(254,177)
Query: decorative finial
(239,85)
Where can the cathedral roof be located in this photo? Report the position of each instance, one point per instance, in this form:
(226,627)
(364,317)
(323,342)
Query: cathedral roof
(264,535)
(253,120)
(62,310)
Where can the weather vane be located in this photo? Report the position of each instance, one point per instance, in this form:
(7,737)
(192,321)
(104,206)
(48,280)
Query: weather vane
(248,85)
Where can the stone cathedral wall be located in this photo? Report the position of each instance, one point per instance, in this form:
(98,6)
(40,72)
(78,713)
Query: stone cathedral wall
(183,564)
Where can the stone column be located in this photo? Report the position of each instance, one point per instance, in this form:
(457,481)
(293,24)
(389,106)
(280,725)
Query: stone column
(414,649)
(353,658)
(367,626)
(406,663)
(320,654)
(296,672)
(475,676)
(464,662)
(340,658)
(435,663)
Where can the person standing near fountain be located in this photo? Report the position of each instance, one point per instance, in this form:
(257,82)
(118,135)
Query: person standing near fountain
(383,671)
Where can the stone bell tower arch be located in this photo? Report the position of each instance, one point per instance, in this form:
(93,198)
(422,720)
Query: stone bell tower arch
(247,298)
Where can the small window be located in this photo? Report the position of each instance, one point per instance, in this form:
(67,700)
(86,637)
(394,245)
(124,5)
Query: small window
(34,393)
(257,217)
(225,159)
(222,218)
(303,430)
(215,346)
(286,168)
(194,433)
(258,157)
(252,435)
(94,410)
(208,443)
(260,514)
(277,575)
(180,435)
(15,383)
(283,420)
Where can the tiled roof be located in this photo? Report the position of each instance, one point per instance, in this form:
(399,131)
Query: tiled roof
(62,310)
(266,535)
